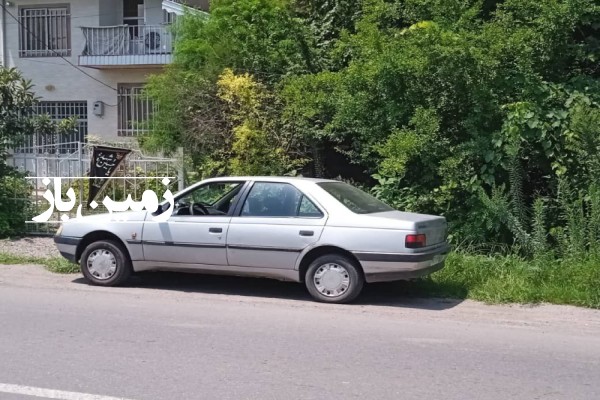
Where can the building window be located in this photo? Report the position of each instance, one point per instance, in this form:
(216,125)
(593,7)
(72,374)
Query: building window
(169,17)
(135,110)
(45,31)
(42,143)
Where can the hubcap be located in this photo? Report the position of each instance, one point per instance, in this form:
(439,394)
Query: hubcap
(332,280)
(102,264)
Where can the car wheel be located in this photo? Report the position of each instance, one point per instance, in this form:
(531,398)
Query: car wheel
(105,263)
(334,278)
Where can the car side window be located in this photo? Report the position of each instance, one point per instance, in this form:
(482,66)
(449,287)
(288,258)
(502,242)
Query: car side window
(307,209)
(272,199)
(214,198)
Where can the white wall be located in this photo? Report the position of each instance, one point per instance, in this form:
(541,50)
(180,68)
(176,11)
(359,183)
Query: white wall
(153,14)
(55,80)
(111,12)
(2,25)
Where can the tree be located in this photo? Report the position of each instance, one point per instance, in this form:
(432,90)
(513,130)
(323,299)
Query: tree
(431,89)
(256,36)
(446,107)
(17,101)
(259,37)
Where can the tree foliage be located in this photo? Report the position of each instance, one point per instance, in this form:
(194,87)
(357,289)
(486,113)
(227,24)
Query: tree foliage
(16,101)
(473,109)
(17,121)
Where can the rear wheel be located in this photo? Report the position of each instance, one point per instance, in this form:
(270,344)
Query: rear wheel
(105,263)
(334,278)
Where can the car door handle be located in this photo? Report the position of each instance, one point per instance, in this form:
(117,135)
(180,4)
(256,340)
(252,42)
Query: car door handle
(215,230)
(307,233)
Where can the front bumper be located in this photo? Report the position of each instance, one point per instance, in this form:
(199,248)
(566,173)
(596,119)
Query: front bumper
(67,246)
(384,267)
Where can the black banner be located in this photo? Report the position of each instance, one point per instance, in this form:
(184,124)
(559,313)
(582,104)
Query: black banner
(104,163)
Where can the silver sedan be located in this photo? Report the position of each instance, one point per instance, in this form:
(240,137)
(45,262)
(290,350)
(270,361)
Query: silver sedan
(327,234)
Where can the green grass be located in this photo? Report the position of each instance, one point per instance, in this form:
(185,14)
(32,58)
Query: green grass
(55,264)
(512,279)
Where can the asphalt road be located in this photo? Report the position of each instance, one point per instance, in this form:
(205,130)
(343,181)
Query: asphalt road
(174,336)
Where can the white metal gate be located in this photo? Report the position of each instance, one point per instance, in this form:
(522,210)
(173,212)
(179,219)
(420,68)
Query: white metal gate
(137,173)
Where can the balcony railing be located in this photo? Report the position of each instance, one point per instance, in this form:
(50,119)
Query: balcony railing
(120,46)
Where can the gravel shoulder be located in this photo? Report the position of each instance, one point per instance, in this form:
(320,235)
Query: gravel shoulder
(42,247)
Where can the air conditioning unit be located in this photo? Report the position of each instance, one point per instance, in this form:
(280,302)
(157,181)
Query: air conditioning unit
(157,42)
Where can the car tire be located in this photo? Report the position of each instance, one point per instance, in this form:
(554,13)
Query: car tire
(105,263)
(334,278)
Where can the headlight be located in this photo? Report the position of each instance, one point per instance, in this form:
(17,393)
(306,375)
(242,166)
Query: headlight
(59,231)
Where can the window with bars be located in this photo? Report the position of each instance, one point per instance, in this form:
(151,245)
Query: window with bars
(134,110)
(45,31)
(58,143)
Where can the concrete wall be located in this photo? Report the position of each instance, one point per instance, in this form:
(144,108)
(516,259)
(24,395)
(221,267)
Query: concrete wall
(111,12)
(3,17)
(153,14)
(56,80)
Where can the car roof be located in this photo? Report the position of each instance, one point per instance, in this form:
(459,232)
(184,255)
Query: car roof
(270,179)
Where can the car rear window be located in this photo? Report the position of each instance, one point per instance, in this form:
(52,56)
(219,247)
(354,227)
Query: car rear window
(354,199)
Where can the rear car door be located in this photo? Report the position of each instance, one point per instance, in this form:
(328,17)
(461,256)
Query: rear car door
(275,224)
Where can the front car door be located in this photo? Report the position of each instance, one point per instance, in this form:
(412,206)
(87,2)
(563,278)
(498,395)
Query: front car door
(196,231)
(275,224)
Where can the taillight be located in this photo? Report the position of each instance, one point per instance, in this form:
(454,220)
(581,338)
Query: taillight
(415,241)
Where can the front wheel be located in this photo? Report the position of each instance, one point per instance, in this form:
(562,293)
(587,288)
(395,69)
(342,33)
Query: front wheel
(105,263)
(334,278)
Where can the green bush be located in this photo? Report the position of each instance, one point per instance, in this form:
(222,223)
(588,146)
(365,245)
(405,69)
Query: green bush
(17,102)
(512,279)
(485,112)
(15,203)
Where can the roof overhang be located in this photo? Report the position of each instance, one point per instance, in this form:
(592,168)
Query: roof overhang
(179,8)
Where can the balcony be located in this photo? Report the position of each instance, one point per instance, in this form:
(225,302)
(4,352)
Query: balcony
(126,46)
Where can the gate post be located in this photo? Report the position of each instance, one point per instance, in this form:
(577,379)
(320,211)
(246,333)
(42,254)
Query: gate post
(180,170)
(81,181)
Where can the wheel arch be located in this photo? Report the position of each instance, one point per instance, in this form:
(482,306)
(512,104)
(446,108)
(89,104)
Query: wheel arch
(319,251)
(97,236)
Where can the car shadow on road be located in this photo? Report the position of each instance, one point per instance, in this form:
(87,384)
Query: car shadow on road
(418,294)
(423,294)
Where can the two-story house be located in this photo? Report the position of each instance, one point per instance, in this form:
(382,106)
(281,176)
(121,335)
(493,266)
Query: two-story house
(89,59)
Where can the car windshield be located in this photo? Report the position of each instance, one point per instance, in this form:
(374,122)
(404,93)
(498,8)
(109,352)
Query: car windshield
(354,199)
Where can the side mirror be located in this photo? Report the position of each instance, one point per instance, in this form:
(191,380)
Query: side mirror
(159,210)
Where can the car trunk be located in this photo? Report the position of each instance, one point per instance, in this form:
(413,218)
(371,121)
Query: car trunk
(432,226)
(434,229)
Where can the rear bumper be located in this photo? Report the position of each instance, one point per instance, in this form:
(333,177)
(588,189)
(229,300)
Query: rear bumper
(383,267)
(67,246)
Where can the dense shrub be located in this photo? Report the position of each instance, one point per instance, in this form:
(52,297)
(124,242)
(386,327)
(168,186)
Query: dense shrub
(16,122)
(15,203)
(481,111)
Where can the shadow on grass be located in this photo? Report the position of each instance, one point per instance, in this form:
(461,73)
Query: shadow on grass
(423,294)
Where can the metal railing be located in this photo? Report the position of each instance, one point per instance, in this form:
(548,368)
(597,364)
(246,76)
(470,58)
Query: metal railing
(143,44)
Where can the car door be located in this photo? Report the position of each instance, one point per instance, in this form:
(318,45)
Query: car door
(196,231)
(275,224)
